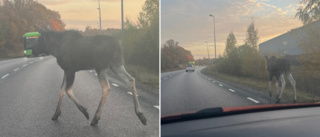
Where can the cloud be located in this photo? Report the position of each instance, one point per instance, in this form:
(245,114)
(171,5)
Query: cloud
(188,21)
(85,12)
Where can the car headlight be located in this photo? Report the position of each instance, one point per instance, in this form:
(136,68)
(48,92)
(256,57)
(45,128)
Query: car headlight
(24,52)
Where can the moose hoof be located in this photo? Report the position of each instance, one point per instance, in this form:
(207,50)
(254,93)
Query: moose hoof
(84,111)
(56,115)
(278,101)
(142,118)
(94,122)
(270,94)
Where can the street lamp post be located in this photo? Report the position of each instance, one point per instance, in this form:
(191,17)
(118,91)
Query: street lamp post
(214,32)
(99,15)
(208,50)
(122,24)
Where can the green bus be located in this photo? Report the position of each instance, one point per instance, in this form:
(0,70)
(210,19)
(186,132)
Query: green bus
(31,47)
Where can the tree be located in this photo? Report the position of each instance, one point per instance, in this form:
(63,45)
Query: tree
(252,35)
(230,44)
(309,13)
(173,56)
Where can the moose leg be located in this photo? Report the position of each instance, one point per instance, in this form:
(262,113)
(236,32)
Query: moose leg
(105,92)
(269,88)
(283,84)
(293,84)
(122,73)
(62,92)
(69,82)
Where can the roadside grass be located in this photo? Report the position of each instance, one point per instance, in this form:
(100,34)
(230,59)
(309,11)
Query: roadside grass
(144,75)
(262,85)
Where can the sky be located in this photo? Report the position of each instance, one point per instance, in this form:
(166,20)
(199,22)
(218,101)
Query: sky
(77,14)
(188,21)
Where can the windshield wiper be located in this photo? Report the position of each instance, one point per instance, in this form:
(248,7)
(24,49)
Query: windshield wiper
(220,111)
(204,113)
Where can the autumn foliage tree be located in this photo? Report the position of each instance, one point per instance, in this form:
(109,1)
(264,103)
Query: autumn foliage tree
(174,56)
(20,16)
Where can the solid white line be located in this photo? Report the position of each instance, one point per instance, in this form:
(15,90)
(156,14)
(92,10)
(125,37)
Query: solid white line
(5,76)
(253,100)
(220,85)
(115,85)
(16,69)
(231,90)
(157,107)
(131,93)
(24,65)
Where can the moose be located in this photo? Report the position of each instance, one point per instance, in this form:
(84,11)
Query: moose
(278,68)
(75,52)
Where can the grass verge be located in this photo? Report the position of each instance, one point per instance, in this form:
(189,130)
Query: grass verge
(145,76)
(262,85)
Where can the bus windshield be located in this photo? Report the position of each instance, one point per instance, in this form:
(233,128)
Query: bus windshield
(31,42)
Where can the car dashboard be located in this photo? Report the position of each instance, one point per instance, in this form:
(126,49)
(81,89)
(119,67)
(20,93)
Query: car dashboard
(286,122)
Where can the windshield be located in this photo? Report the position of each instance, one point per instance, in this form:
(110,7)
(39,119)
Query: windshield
(249,54)
(31,42)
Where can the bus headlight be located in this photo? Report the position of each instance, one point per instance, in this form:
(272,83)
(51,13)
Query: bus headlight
(24,51)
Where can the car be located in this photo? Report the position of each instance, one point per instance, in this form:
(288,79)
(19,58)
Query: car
(190,68)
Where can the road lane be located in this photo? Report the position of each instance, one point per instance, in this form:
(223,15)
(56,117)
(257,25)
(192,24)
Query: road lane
(192,91)
(29,97)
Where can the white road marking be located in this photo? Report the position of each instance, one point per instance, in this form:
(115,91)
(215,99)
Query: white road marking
(157,107)
(24,65)
(253,100)
(209,79)
(90,71)
(115,85)
(165,78)
(5,76)
(95,74)
(231,90)
(213,81)
(131,93)
(30,62)
(16,69)
(220,85)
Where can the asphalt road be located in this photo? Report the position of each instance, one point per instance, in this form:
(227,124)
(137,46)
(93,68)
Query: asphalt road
(29,93)
(183,91)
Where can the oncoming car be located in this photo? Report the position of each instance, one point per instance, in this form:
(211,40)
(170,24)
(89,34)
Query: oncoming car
(190,68)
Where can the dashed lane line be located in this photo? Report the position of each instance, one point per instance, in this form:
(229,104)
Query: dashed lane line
(165,78)
(5,76)
(231,90)
(115,85)
(253,100)
(131,93)
(16,69)
(24,65)
(220,85)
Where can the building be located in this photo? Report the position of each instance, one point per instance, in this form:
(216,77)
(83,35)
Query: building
(287,44)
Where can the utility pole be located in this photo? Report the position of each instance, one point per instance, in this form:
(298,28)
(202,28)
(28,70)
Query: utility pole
(122,24)
(99,15)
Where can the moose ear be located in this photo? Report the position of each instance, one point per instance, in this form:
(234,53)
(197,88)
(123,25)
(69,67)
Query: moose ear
(38,28)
